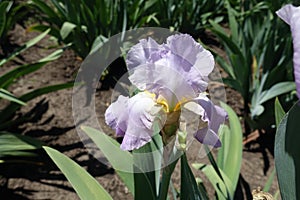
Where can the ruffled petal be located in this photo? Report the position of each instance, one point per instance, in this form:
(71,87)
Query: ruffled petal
(133,118)
(286,13)
(146,51)
(191,59)
(214,116)
(164,81)
(209,137)
(181,54)
(291,15)
(116,115)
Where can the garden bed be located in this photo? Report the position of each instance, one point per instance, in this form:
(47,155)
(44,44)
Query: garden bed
(55,127)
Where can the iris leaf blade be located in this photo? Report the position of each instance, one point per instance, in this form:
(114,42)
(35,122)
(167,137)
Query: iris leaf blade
(84,184)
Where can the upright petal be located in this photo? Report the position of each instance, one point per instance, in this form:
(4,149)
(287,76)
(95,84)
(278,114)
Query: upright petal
(181,53)
(146,51)
(191,59)
(164,81)
(291,15)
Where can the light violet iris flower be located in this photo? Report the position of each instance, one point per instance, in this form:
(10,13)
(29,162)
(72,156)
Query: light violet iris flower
(171,76)
(291,15)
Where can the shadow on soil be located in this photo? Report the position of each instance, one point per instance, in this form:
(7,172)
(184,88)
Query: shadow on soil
(41,169)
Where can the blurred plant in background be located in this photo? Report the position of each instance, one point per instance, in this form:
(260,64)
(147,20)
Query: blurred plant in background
(14,146)
(258,49)
(190,17)
(80,23)
(83,22)
(11,12)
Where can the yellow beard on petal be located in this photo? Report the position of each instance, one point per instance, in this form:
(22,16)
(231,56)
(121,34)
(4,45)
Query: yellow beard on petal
(164,103)
(171,125)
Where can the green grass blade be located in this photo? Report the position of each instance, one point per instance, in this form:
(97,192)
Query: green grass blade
(8,112)
(269,181)
(27,45)
(17,145)
(9,77)
(3,13)
(84,184)
(10,97)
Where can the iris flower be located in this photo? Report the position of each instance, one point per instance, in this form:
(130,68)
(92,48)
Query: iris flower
(291,15)
(171,76)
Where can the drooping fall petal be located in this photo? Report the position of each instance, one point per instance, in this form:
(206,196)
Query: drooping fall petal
(213,115)
(133,118)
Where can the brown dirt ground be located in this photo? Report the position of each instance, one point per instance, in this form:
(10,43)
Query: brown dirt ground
(55,127)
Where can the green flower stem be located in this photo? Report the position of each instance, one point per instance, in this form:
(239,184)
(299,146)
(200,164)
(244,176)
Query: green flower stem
(165,181)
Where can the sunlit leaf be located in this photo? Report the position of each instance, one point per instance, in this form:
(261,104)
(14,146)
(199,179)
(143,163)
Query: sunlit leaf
(66,29)
(27,45)
(122,161)
(17,145)
(84,184)
(10,97)
(221,185)
(276,90)
(230,153)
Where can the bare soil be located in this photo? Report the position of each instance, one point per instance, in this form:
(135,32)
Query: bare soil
(55,127)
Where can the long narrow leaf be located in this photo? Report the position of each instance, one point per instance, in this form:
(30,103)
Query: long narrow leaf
(122,161)
(17,145)
(13,107)
(287,154)
(220,33)
(84,184)
(269,181)
(221,185)
(232,148)
(66,29)
(232,22)
(46,9)
(148,161)
(189,188)
(10,97)
(27,45)
(276,90)
(3,13)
